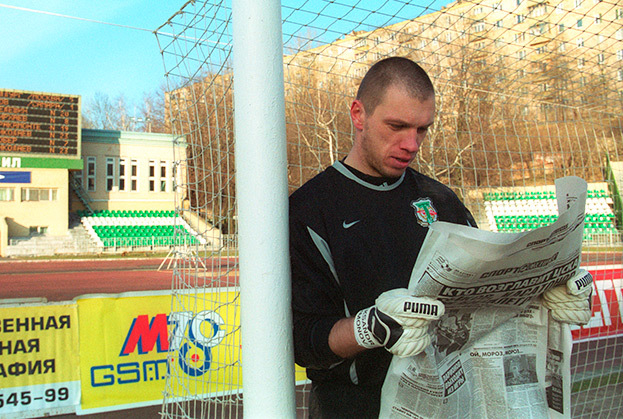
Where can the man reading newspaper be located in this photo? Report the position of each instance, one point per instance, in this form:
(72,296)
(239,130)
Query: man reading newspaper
(356,230)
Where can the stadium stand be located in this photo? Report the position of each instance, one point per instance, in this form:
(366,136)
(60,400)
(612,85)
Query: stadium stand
(138,229)
(512,212)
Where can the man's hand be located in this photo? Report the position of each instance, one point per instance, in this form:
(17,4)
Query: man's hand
(571,303)
(398,321)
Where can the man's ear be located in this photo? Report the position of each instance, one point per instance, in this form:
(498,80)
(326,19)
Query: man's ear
(357,114)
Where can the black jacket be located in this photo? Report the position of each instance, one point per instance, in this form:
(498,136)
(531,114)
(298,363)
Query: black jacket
(352,237)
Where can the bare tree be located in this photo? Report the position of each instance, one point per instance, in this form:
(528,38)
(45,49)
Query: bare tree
(102,112)
(105,113)
(151,111)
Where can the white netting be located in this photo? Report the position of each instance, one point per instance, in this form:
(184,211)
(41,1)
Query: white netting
(527,91)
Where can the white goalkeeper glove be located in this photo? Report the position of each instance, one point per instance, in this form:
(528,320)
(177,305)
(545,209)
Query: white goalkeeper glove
(398,321)
(571,303)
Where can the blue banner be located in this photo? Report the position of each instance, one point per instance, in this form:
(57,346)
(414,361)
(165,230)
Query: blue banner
(14,177)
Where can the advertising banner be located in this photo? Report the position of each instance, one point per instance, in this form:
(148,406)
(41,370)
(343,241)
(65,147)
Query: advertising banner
(15,177)
(39,373)
(607,319)
(125,338)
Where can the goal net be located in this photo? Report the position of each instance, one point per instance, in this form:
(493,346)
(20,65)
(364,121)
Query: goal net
(527,92)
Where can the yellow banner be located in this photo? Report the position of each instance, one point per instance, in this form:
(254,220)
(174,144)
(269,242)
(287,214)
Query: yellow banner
(125,339)
(39,358)
(124,342)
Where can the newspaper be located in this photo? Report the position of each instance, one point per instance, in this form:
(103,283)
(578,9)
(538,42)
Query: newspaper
(497,353)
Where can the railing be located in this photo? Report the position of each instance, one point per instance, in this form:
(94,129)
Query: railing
(151,243)
(603,239)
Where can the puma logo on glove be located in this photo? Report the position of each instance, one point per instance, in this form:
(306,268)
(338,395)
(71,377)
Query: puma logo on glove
(398,321)
(571,303)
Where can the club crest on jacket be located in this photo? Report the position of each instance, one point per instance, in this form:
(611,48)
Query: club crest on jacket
(425,212)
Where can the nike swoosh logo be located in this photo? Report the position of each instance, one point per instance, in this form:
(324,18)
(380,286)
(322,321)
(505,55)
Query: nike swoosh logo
(349,225)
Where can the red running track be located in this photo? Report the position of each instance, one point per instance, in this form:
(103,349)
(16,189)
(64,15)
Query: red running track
(67,279)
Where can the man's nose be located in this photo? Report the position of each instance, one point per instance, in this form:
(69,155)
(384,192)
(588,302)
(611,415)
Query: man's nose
(411,141)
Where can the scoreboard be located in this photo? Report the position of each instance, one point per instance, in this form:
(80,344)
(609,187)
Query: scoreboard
(40,124)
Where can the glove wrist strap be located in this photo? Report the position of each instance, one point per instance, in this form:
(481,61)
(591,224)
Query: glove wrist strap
(363,335)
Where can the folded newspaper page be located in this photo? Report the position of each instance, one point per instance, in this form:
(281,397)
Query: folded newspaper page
(497,353)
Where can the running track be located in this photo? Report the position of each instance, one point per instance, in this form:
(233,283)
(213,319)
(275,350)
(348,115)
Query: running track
(64,280)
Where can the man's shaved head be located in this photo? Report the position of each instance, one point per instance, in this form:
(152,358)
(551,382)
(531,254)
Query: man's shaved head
(394,71)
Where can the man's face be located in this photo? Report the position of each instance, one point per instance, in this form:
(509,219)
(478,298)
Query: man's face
(388,139)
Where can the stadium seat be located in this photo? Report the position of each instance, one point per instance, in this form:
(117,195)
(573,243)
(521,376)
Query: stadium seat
(131,228)
(512,211)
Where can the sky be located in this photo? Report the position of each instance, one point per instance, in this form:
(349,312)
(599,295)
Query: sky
(50,53)
(104,47)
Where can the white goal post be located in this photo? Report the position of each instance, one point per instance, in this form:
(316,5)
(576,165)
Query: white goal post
(262,197)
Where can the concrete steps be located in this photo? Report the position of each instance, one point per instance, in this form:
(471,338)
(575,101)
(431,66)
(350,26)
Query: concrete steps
(76,241)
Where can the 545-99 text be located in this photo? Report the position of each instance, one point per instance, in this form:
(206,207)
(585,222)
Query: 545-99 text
(27,397)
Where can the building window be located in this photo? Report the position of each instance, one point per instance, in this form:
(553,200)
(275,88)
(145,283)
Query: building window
(39,194)
(620,54)
(578,3)
(134,175)
(620,75)
(561,28)
(619,35)
(7,194)
(521,54)
(580,42)
(598,19)
(539,10)
(110,173)
(152,176)
(163,176)
(91,173)
(122,174)
(580,62)
(579,24)
(601,58)
(520,18)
